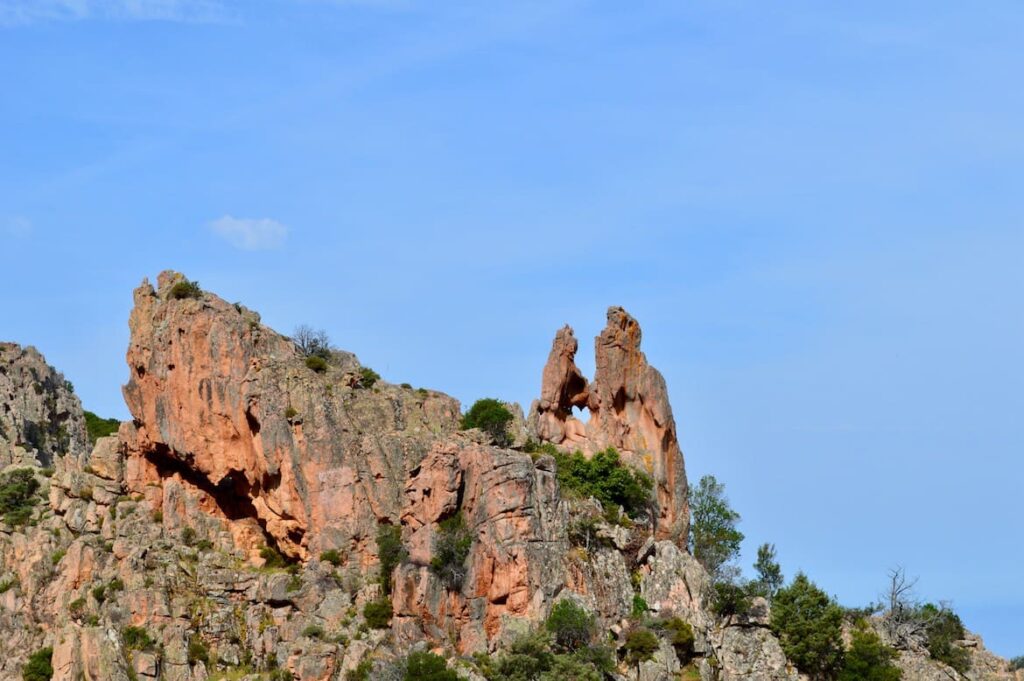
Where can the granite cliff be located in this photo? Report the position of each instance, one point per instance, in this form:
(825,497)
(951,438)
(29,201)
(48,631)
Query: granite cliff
(231,528)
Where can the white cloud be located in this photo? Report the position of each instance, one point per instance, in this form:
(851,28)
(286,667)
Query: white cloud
(250,234)
(20,12)
(17,226)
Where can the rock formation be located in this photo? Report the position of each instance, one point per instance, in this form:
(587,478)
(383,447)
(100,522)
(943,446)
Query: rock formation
(629,410)
(40,417)
(155,555)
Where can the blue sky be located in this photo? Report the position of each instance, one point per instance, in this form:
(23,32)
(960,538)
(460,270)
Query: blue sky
(815,212)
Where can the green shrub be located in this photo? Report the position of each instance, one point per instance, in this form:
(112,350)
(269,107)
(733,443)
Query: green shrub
(641,644)
(390,551)
(1017,663)
(290,412)
(426,666)
(361,671)
(100,593)
(76,607)
(188,536)
(6,584)
(640,606)
(198,651)
(272,558)
(809,626)
(136,638)
(527,658)
(331,556)
(18,496)
(492,417)
(605,478)
(570,625)
(99,427)
(378,613)
(680,635)
(714,539)
(451,549)
(316,363)
(868,659)
(185,289)
(729,598)
(407,386)
(57,556)
(313,631)
(367,377)
(944,630)
(39,666)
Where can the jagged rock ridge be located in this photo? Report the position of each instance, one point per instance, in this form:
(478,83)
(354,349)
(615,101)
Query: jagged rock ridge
(629,410)
(235,444)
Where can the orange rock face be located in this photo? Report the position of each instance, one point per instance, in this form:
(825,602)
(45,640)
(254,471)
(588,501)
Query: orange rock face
(229,409)
(629,410)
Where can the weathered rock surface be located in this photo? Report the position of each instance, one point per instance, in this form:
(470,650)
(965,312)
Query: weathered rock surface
(41,418)
(237,446)
(629,410)
(227,407)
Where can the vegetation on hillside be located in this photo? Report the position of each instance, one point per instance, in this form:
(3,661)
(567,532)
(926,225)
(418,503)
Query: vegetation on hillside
(605,478)
(98,427)
(451,549)
(18,497)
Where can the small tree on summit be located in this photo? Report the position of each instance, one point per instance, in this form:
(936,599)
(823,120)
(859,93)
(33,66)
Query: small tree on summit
(492,417)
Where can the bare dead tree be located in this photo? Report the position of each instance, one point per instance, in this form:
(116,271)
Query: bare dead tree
(312,342)
(905,621)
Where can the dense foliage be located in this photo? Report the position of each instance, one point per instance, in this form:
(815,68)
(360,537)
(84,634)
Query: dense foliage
(367,377)
(809,626)
(944,631)
(714,539)
(492,417)
(641,644)
(186,289)
(39,666)
(378,613)
(730,598)
(316,363)
(605,478)
(868,659)
(18,496)
(99,427)
(426,666)
(570,625)
(390,551)
(530,658)
(451,548)
(136,638)
(680,635)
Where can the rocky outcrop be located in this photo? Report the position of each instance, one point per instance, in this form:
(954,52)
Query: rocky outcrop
(629,410)
(147,558)
(41,418)
(227,407)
